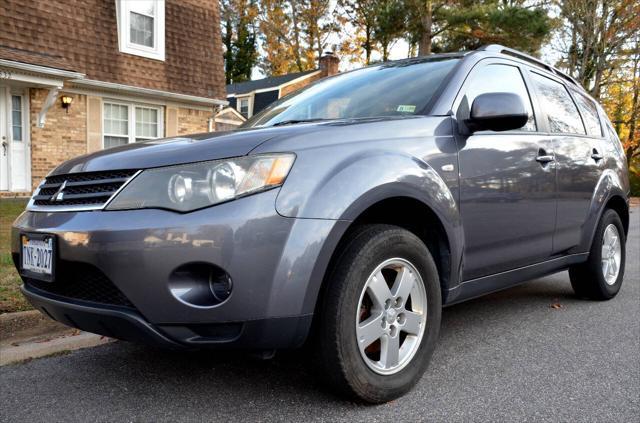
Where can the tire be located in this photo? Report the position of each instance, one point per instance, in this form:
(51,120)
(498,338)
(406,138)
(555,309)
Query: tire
(588,279)
(351,370)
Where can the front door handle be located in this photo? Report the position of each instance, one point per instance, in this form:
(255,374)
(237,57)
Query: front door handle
(544,157)
(596,156)
(4,148)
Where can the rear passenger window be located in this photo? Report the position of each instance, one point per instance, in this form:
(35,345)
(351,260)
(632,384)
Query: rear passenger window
(589,114)
(497,79)
(560,109)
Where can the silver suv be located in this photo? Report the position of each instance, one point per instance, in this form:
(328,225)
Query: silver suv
(344,215)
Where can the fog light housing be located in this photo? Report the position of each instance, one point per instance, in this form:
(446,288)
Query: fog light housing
(200,284)
(220,285)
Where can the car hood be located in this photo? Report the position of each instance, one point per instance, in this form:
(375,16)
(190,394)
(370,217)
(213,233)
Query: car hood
(168,151)
(220,145)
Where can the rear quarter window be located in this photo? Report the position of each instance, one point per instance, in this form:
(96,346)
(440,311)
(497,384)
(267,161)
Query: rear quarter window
(589,114)
(614,144)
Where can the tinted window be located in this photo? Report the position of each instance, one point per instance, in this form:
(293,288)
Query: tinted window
(560,109)
(615,143)
(497,79)
(589,114)
(390,89)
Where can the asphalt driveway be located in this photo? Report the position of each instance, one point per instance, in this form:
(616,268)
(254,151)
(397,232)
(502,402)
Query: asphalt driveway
(533,352)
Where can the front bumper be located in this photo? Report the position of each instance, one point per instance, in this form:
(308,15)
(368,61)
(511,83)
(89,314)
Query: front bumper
(276,264)
(128,325)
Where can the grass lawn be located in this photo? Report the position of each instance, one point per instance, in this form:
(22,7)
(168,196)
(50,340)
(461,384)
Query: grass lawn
(10,297)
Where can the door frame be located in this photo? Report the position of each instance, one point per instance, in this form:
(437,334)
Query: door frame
(7,92)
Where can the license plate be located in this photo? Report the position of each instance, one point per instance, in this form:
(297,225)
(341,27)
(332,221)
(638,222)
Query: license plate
(37,256)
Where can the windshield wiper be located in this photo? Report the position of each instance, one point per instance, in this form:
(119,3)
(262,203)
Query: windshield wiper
(294,121)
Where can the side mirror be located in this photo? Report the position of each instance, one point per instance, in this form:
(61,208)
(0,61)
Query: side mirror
(497,112)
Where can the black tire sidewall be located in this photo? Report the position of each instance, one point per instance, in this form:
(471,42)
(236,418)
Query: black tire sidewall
(388,244)
(595,255)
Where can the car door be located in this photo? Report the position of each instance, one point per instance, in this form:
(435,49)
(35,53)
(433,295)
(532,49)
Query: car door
(573,120)
(507,181)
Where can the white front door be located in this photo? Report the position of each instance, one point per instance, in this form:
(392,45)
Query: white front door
(14,134)
(4,138)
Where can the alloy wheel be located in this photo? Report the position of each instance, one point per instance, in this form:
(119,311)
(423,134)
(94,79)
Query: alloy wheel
(391,316)
(611,254)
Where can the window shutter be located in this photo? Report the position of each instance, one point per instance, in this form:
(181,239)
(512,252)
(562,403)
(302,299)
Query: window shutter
(171,128)
(94,124)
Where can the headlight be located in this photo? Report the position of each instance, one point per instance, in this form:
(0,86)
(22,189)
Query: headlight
(194,186)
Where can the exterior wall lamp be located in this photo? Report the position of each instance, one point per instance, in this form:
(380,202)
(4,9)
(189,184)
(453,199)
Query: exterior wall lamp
(66,102)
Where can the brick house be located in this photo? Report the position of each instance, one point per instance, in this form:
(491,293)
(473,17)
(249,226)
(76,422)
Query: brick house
(250,97)
(77,76)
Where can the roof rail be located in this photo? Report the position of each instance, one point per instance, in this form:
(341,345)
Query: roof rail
(497,48)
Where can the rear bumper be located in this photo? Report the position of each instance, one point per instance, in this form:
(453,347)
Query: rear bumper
(128,325)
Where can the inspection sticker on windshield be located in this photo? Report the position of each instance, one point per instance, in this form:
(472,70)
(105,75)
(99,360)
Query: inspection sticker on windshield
(406,108)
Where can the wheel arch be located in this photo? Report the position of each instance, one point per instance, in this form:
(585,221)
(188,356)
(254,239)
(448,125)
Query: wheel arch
(620,206)
(417,217)
(609,192)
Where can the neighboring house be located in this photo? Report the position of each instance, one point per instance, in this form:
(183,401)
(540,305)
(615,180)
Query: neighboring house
(77,76)
(250,97)
(228,119)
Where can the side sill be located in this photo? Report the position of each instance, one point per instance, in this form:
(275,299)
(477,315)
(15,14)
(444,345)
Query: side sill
(478,287)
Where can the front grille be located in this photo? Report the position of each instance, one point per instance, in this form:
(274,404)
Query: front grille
(82,282)
(91,189)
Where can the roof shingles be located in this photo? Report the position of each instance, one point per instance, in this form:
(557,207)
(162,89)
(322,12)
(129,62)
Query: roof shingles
(265,83)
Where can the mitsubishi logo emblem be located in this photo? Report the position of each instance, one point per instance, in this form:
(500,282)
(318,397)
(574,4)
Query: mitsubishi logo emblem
(59,194)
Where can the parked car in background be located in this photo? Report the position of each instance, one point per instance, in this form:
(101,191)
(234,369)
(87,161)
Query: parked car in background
(346,214)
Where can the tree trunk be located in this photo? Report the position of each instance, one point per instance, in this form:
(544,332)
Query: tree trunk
(228,54)
(632,141)
(424,47)
(296,35)
(573,51)
(367,44)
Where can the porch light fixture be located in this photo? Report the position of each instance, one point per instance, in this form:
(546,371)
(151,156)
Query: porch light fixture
(66,102)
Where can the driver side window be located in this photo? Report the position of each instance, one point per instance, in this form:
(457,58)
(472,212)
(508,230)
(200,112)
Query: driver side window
(497,78)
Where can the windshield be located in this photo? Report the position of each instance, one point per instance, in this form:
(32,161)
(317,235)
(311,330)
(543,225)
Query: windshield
(390,89)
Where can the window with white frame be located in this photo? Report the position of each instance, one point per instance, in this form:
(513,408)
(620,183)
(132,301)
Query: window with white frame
(243,107)
(16,118)
(141,27)
(146,123)
(126,123)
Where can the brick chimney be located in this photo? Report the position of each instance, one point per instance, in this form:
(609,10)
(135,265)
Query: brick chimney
(329,64)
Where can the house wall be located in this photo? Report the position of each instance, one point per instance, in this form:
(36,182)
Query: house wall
(83,34)
(296,86)
(68,135)
(192,121)
(63,137)
(263,99)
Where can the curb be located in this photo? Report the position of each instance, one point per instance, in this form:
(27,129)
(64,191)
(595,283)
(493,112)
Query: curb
(23,324)
(29,334)
(14,353)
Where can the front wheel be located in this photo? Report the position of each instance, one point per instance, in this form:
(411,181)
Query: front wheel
(600,277)
(380,316)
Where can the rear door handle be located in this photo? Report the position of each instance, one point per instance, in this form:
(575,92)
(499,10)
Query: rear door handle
(596,156)
(544,157)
